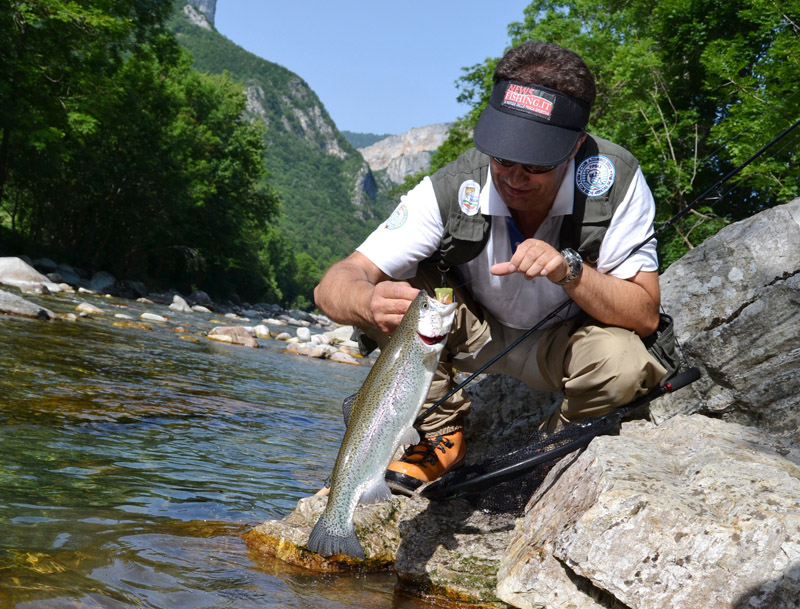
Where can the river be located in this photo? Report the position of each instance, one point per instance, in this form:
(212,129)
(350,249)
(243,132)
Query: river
(132,459)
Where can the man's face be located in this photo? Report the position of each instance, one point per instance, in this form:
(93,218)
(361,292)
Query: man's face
(525,192)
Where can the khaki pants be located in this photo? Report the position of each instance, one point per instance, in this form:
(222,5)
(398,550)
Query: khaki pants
(597,367)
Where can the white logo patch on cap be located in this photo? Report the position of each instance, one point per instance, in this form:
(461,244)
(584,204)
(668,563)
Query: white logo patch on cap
(469,194)
(398,217)
(595,175)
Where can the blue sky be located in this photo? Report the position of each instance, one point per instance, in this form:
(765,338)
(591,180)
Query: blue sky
(378,67)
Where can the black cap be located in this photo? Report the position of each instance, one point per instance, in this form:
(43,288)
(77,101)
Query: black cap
(530,124)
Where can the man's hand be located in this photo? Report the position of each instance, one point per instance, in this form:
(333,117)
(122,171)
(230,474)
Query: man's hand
(390,301)
(534,258)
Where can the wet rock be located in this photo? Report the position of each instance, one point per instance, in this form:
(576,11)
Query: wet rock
(11,304)
(344,358)
(180,305)
(86,307)
(303,335)
(236,335)
(153,317)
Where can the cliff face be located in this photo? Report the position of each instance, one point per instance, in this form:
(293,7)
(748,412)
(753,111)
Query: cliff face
(207,7)
(405,154)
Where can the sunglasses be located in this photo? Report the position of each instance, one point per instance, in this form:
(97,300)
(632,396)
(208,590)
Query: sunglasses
(526,168)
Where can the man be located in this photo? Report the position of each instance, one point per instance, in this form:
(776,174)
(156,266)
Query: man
(504,221)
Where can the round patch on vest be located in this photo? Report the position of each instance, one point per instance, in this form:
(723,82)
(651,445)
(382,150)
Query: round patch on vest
(469,194)
(398,217)
(595,175)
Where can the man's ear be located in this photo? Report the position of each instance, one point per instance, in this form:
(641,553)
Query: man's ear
(578,145)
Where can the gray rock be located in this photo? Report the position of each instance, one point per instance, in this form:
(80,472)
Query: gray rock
(180,305)
(735,303)
(696,512)
(18,273)
(11,304)
(103,282)
(237,335)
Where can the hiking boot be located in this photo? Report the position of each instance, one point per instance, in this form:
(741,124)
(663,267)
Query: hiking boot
(426,461)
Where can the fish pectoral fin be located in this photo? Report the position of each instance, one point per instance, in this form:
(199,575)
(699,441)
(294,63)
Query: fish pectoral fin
(347,408)
(376,491)
(409,437)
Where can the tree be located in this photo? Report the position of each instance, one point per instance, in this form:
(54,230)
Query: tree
(121,156)
(691,87)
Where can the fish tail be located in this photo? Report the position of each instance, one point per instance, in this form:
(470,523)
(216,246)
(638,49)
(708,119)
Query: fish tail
(324,543)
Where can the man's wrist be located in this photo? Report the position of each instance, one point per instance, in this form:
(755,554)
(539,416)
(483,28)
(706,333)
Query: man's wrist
(574,266)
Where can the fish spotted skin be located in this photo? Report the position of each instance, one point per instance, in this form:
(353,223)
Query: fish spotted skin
(381,419)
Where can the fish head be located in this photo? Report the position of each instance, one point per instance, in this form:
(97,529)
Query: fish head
(432,319)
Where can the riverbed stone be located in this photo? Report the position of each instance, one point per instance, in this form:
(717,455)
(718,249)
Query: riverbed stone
(180,305)
(238,335)
(12,304)
(18,273)
(87,307)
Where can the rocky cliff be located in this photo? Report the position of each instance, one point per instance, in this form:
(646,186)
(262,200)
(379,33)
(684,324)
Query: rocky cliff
(406,154)
(208,8)
(698,508)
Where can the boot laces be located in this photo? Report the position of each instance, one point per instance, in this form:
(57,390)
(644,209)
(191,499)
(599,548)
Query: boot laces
(425,451)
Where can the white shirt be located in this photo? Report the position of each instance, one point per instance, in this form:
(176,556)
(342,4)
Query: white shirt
(414,230)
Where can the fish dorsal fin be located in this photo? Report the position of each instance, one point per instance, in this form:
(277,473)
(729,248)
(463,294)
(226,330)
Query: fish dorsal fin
(347,408)
(376,490)
(409,436)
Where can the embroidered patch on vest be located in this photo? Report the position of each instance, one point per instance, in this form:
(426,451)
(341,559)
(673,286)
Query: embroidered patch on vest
(469,194)
(398,217)
(595,175)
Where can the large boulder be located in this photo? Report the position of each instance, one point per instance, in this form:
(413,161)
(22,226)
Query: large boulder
(694,513)
(735,300)
(15,272)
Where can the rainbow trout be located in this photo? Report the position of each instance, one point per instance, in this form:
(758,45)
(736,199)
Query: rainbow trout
(381,419)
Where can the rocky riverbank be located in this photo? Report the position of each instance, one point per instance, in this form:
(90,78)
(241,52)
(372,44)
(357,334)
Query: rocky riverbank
(64,294)
(698,508)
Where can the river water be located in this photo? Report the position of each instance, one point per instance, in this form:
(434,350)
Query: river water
(132,459)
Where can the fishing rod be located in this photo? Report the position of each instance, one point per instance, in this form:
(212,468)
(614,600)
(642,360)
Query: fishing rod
(565,441)
(685,211)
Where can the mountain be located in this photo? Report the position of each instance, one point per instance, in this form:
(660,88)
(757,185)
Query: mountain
(405,154)
(329,195)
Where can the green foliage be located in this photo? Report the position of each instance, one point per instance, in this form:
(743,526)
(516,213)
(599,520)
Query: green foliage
(120,156)
(314,168)
(691,88)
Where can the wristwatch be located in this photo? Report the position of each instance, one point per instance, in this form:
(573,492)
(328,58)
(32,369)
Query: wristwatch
(575,263)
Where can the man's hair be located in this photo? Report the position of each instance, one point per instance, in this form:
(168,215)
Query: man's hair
(549,65)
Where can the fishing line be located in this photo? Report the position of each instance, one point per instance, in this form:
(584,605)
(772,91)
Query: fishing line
(681,214)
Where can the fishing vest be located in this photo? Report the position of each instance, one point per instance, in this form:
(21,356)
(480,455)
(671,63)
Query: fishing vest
(603,174)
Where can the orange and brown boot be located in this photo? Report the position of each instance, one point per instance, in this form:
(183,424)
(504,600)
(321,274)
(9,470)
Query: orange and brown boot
(426,462)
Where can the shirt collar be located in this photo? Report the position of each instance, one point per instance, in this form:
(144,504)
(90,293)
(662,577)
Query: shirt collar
(491,204)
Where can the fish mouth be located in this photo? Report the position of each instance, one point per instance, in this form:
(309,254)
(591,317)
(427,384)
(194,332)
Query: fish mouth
(432,340)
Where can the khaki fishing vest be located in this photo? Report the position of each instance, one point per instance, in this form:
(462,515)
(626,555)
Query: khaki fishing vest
(603,173)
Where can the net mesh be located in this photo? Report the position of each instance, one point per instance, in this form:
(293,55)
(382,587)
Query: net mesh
(505,479)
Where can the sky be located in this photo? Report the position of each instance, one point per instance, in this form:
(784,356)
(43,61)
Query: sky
(378,67)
